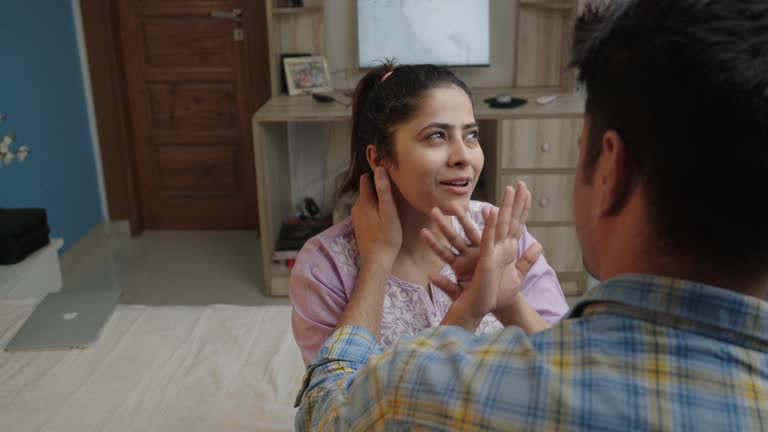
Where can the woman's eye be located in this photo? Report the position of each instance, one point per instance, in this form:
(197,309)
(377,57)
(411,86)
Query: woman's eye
(436,135)
(473,135)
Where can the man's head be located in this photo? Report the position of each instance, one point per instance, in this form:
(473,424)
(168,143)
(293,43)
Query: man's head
(674,155)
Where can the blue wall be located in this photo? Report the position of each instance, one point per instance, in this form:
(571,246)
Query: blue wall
(41,91)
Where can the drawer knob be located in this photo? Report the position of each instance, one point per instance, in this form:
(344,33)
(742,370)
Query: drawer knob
(546,147)
(544,202)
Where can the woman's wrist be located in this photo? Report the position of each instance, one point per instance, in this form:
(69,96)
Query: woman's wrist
(460,315)
(520,314)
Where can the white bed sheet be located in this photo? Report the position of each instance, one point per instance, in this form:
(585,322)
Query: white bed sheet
(157,368)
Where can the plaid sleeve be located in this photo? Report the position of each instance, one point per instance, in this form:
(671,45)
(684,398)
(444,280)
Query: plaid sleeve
(326,383)
(445,378)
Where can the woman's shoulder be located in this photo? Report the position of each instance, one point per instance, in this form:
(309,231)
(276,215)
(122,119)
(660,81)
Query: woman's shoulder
(341,229)
(336,246)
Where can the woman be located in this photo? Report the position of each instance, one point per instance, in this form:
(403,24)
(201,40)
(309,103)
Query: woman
(417,124)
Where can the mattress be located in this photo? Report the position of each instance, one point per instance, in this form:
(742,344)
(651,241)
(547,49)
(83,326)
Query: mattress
(157,368)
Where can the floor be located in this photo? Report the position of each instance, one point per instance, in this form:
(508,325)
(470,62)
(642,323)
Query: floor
(180,268)
(177,268)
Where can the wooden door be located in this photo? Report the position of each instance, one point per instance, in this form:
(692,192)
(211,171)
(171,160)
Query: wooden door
(194,77)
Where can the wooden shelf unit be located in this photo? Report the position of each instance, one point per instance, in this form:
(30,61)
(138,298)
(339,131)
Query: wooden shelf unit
(537,143)
(292,31)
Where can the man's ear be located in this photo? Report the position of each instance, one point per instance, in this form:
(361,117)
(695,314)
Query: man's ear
(614,175)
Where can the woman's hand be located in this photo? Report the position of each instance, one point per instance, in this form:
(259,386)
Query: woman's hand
(489,276)
(376,222)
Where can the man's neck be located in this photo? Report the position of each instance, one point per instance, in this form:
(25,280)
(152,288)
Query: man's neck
(691,270)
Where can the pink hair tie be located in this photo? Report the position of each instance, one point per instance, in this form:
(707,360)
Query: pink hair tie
(386,75)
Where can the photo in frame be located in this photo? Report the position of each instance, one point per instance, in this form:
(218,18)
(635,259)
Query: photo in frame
(307,75)
(283,80)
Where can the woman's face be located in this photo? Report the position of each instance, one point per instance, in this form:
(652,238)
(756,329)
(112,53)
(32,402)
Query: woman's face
(437,153)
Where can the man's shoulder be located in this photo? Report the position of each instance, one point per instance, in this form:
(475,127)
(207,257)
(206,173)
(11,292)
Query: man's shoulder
(569,337)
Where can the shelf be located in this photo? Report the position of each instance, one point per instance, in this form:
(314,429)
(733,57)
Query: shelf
(543,4)
(297,10)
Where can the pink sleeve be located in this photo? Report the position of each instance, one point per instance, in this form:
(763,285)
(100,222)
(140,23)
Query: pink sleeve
(317,296)
(541,287)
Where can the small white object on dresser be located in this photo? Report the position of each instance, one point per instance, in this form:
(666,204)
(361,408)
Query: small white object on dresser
(35,276)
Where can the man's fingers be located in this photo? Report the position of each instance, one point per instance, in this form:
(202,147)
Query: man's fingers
(529,258)
(451,288)
(366,189)
(384,191)
(440,249)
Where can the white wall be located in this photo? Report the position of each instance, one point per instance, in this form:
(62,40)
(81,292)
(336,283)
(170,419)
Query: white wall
(320,151)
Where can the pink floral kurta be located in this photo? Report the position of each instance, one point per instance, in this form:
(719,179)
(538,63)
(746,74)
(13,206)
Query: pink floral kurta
(325,276)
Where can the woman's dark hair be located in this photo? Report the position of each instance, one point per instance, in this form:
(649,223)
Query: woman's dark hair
(380,104)
(685,84)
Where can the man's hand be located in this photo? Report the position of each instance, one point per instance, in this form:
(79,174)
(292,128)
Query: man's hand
(376,221)
(379,236)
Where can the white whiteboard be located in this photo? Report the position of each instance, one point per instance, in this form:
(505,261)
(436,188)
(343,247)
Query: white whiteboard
(441,32)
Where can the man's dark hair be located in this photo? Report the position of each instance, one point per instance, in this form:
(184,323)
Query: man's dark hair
(685,84)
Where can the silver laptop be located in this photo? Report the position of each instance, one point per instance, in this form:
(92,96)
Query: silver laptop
(66,319)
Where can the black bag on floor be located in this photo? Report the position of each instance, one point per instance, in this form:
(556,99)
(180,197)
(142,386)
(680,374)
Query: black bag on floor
(22,232)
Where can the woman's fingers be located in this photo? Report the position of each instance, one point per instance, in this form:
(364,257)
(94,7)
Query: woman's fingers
(487,242)
(529,258)
(468,225)
(445,227)
(505,213)
(521,196)
(451,288)
(438,247)
(524,216)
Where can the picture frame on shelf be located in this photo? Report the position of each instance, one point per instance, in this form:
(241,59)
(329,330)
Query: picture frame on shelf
(305,75)
(283,80)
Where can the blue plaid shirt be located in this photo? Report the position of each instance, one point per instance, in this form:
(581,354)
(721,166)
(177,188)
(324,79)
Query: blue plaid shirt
(637,353)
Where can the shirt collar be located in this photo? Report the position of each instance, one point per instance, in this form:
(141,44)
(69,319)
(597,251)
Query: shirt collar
(706,309)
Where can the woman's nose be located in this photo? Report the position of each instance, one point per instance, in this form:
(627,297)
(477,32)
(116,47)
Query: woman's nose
(458,153)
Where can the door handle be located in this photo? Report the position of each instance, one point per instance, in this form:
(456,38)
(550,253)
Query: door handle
(234,15)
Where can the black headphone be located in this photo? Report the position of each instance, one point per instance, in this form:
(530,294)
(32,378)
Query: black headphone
(309,208)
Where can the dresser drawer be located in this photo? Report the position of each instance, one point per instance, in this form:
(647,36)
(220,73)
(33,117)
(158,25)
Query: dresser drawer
(572,288)
(551,195)
(561,247)
(549,143)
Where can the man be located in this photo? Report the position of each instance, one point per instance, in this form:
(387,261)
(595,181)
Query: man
(673,163)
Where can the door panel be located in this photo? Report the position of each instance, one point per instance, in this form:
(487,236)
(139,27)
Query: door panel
(190,112)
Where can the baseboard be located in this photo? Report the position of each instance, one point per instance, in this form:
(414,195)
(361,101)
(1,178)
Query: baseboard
(93,242)
(120,229)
